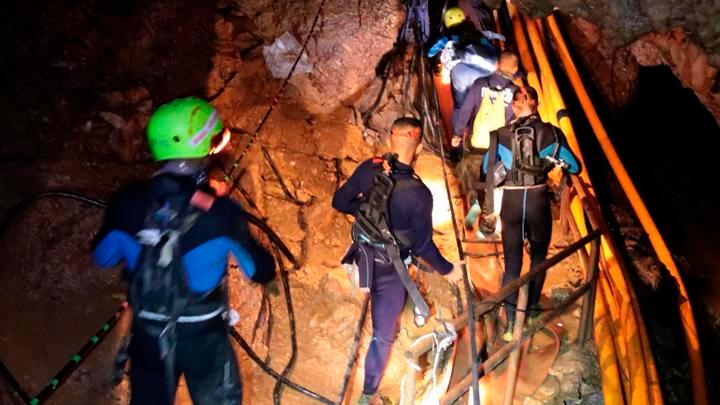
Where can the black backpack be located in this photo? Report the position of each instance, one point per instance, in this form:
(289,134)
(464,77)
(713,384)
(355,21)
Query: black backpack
(372,227)
(372,220)
(158,289)
(159,285)
(528,168)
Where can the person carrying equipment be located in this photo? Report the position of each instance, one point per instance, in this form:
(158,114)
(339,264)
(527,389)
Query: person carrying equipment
(393,211)
(519,159)
(174,236)
(487,107)
(466,54)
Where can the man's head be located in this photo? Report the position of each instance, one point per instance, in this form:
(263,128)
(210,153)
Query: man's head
(406,138)
(525,101)
(185,128)
(507,64)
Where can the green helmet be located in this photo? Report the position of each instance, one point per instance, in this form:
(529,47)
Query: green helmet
(183,129)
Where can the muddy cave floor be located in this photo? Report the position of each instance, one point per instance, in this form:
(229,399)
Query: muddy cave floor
(58,299)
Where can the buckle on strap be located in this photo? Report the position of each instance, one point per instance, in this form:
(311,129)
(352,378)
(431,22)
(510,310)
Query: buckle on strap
(154,316)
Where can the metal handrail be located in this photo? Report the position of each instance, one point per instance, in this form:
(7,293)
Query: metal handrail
(587,291)
(496,299)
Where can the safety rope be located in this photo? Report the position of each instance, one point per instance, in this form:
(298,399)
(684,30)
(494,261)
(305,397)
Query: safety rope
(79,357)
(441,342)
(228,176)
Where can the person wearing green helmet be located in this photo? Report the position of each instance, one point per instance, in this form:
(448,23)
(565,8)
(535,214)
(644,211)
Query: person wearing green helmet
(174,236)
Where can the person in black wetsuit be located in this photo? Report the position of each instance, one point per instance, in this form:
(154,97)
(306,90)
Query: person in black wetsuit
(527,148)
(410,211)
(181,133)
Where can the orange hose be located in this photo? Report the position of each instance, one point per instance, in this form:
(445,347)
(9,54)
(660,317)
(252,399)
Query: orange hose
(690,330)
(443,91)
(620,332)
(526,60)
(643,386)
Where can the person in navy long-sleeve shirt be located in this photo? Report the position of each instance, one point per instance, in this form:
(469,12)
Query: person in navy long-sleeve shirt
(410,212)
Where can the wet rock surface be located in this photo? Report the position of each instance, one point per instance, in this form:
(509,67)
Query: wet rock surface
(348,43)
(614,37)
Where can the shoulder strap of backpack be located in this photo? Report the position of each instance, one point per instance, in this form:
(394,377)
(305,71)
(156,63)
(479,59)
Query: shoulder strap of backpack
(490,174)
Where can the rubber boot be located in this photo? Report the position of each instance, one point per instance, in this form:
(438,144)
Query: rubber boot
(370,399)
(472,215)
(508,334)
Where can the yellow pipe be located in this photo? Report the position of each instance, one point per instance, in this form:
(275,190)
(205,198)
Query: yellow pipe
(690,330)
(637,355)
(526,60)
(645,387)
(607,354)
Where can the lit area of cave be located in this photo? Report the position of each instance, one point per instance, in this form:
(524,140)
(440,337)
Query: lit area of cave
(280,112)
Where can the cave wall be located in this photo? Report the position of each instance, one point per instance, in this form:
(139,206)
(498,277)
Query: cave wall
(614,37)
(349,41)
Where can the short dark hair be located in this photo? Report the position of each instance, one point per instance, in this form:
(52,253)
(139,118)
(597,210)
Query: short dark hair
(408,125)
(526,92)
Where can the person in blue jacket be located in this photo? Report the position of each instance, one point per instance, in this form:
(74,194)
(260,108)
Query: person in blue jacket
(181,133)
(410,212)
(527,149)
(466,53)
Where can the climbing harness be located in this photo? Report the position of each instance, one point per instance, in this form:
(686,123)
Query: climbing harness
(371,230)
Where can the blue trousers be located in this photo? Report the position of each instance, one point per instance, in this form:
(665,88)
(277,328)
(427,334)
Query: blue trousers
(387,299)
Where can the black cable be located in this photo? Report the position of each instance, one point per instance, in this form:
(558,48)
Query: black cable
(299,388)
(406,84)
(276,100)
(355,349)
(14,384)
(284,276)
(275,171)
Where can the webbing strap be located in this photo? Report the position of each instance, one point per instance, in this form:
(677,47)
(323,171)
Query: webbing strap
(490,175)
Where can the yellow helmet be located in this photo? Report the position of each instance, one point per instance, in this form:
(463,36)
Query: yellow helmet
(453,16)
